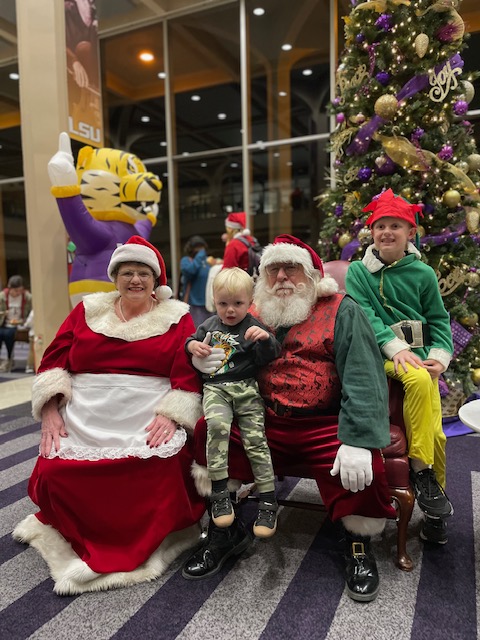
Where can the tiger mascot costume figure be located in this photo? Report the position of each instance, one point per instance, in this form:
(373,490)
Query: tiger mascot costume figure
(106,200)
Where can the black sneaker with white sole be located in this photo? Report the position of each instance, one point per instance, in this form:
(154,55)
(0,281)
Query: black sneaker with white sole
(431,497)
(434,530)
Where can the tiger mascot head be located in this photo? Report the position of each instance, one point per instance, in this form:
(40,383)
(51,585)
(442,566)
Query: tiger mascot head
(115,185)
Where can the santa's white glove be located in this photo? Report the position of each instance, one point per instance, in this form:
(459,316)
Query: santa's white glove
(212,362)
(355,467)
(61,168)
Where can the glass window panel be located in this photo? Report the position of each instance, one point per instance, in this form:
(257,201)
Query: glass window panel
(205,65)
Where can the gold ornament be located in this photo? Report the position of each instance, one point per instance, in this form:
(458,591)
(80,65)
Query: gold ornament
(451,198)
(476,376)
(386,106)
(469,321)
(472,279)
(472,218)
(451,281)
(474,161)
(344,239)
(469,90)
(462,166)
(364,235)
(406,192)
(420,230)
(421,44)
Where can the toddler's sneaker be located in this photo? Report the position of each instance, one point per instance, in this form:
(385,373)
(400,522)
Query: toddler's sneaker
(266,523)
(222,509)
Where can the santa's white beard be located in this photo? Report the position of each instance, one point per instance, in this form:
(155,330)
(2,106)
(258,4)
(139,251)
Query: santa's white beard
(279,309)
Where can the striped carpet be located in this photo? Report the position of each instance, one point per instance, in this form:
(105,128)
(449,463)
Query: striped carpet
(290,587)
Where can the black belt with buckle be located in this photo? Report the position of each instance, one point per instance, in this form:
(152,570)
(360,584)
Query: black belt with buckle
(281,410)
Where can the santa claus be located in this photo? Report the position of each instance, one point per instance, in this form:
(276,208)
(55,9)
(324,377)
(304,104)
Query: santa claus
(317,415)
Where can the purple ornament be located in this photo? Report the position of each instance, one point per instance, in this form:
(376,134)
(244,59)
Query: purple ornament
(417,134)
(460,108)
(385,166)
(339,210)
(364,174)
(340,118)
(336,101)
(360,38)
(384,22)
(448,33)
(383,78)
(445,153)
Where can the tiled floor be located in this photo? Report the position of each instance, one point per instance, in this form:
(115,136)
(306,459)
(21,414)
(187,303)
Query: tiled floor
(16,387)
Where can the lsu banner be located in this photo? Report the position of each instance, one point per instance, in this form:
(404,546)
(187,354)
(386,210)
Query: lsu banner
(85,122)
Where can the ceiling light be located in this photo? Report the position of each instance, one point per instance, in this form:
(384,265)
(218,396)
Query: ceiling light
(13,76)
(258,11)
(145,118)
(286,47)
(164,175)
(195,98)
(203,164)
(162,75)
(307,72)
(186,153)
(222,116)
(234,165)
(146,56)
(282,94)
(163,143)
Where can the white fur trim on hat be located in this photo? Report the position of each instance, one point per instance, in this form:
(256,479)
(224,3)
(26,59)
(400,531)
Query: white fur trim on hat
(284,252)
(134,253)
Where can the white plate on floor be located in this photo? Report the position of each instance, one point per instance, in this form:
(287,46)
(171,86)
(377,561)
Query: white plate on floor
(469,414)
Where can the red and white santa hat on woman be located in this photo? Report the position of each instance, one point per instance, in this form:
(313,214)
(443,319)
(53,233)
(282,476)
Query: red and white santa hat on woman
(236,220)
(137,249)
(287,249)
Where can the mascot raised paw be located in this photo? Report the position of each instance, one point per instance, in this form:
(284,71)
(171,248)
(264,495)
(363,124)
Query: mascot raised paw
(107,199)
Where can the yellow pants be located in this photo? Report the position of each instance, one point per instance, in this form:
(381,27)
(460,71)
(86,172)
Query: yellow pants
(422,414)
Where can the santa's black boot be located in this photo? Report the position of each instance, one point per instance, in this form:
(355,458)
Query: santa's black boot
(362,580)
(219,545)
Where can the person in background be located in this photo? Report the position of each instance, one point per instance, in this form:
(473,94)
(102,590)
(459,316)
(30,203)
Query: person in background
(231,392)
(317,412)
(194,268)
(15,307)
(116,396)
(400,296)
(236,251)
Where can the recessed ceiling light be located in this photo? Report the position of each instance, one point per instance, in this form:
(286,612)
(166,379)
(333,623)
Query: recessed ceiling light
(259,11)
(307,72)
(289,164)
(162,75)
(146,56)
(13,76)
(163,143)
(282,94)
(286,47)
(145,118)
(203,164)
(234,165)
(276,155)
(221,116)
(186,153)
(195,98)
(164,175)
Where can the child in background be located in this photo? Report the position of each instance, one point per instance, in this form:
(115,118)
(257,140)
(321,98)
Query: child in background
(232,392)
(400,295)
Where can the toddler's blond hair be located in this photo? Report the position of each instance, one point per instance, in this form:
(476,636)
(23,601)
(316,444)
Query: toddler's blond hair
(232,281)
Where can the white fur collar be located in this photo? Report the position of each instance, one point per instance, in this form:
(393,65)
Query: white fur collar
(373,264)
(100,317)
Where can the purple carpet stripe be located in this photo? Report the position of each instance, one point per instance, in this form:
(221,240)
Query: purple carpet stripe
(27,614)
(17,458)
(311,599)
(18,433)
(446,592)
(174,605)
(13,494)
(9,548)
(23,410)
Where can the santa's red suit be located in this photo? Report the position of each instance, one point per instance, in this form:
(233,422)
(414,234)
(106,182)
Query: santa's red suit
(120,505)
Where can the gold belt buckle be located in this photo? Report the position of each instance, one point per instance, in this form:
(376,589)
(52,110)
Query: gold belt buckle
(358,549)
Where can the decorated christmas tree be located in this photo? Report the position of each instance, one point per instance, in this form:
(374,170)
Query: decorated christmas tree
(400,108)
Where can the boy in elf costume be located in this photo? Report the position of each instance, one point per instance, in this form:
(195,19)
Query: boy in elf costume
(400,295)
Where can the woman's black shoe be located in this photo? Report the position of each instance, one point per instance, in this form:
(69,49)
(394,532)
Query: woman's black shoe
(219,545)
(361,569)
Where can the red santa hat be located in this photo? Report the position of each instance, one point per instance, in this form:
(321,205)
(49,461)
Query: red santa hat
(287,249)
(137,249)
(388,204)
(236,220)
